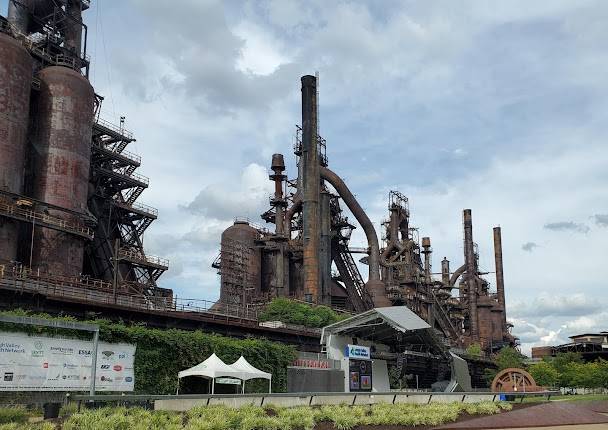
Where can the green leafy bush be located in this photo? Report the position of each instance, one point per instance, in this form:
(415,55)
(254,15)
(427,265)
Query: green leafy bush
(292,312)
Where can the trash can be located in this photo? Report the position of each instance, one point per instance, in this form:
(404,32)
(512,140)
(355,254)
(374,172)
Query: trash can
(51,410)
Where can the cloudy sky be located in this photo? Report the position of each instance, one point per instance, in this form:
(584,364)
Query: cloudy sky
(500,107)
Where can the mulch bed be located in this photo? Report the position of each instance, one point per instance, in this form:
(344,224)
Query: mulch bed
(538,415)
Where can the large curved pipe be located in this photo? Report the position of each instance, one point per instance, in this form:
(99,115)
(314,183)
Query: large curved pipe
(289,213)
(374,285)
(362,218)
(457,274)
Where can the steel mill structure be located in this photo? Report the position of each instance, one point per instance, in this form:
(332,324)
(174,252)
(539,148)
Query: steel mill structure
(69,214)
(71,225)
(311,238)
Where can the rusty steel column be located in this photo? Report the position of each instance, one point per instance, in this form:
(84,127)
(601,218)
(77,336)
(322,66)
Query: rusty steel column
(18,15)
(445,272)
(15,88)
(427,251)
(325,248)
(73,26)
(471,273)
(311,183)
(62,156)
(279,203)
(500,280)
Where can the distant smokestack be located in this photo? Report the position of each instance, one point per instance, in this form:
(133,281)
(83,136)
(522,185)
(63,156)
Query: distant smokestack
(427,251)
(445,271)
(278,202)
(311,183)
(500,280)
(471,272)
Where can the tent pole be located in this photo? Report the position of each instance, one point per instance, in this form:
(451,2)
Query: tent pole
(213,386)
(243,388)
(177,392)
(270,385)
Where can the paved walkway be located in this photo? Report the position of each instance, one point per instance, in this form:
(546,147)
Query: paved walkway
(546,415)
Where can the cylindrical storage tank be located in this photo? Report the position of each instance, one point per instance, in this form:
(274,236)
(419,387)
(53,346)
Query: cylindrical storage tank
(15,87)
(62,157)
(241,263)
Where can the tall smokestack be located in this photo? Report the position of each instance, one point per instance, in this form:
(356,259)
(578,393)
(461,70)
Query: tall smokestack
(500,280)
(471,273)
(73,26)
(311,183)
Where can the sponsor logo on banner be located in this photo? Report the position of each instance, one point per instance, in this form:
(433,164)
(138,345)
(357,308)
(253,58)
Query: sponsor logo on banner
(45,365)
(105,367)
(69,366)
(71,377)
(357,351)
(38,351)
(128,379)
(85,352)
(8,376)
(61,350)
(13,348)
(106,379)
(107,354)
(117,368)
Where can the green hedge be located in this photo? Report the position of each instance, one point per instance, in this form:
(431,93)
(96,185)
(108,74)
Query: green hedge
(292,312)
(161,354)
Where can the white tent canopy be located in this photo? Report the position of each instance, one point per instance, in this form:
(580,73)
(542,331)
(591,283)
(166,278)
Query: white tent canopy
(251,372)
(213,367)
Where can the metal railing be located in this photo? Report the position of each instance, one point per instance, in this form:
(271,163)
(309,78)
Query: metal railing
(126,154)
(135,176)
(139,207)
(115,128)
(14,211)
(136,255)
(22,279)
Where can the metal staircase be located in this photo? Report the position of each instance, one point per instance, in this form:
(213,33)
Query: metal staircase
(123,221)
(350,275)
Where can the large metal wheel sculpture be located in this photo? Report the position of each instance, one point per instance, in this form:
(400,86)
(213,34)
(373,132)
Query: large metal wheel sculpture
(514,380)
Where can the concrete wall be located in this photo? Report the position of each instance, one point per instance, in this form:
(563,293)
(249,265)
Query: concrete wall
(175,403)
(301,380)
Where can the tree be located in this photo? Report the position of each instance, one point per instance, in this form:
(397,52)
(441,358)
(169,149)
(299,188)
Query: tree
(544,374)
(561,360)
(507,357)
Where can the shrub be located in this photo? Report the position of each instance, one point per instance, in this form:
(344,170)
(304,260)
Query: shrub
(13,415)
(292,312)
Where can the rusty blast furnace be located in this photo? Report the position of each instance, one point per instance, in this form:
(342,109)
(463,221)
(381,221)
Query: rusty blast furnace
(68,186)
(308,257)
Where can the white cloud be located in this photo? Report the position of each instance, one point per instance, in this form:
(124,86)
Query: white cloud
(500,108)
